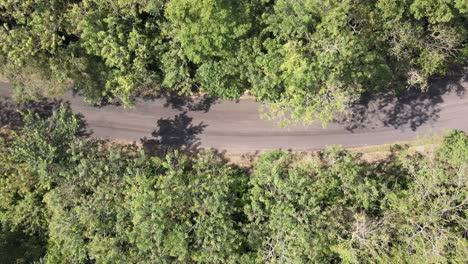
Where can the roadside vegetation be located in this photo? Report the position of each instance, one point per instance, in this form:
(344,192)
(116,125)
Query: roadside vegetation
(68,198)
(306,60)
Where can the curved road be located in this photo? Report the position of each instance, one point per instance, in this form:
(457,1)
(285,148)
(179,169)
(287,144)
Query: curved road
(237,127)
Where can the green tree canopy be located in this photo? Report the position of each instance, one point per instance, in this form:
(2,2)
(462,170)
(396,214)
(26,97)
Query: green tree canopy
(307,60)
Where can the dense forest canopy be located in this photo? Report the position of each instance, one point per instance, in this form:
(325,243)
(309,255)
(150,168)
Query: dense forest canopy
(306,59)
(66,198)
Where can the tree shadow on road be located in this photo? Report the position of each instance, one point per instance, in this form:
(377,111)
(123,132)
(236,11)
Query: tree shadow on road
(11,113)
(174,134)
(410,109)
(186,103)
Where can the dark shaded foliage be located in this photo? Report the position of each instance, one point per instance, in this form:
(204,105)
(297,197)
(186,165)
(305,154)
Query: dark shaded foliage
(12,113)
(16,247)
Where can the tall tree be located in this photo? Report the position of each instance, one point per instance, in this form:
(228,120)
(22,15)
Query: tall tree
(189,213)
(318,57)
(125,37)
